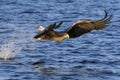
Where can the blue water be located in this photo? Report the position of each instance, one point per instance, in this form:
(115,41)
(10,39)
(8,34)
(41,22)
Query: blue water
(93,56)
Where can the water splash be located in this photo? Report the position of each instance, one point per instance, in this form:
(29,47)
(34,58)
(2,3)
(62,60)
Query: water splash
(9,50)
(16,41)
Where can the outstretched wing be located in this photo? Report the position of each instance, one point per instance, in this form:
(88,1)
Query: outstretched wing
(54,26)
(85,26)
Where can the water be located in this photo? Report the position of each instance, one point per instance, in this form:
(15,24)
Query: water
(8,51)
(93,56)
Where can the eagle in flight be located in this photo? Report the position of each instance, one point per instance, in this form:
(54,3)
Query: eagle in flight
(77,29)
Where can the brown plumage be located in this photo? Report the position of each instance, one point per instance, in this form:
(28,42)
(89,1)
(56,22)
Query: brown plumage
(49,33)
(77,29)
(84,26)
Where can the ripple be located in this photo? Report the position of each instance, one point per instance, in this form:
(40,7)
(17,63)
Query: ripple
(93,56)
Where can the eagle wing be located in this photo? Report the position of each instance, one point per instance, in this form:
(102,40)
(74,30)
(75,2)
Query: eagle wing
(54,26)
(85,26)
(48,30)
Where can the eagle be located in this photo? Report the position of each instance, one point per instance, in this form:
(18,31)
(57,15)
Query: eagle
(77,29)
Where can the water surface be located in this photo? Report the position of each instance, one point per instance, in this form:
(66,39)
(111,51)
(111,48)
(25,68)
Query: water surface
(93,56)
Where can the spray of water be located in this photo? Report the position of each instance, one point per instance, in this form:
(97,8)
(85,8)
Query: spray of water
(9,51)
(17,41)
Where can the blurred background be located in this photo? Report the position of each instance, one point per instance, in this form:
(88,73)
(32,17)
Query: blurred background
(93,56)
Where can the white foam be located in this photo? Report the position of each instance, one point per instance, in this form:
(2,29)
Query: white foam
(16,42)
(9,50)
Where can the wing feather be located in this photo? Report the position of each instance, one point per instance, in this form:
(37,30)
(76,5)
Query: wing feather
(85,26)
(54,26)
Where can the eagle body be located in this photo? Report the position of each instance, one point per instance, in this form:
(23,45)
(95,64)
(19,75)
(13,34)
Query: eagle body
(77,29)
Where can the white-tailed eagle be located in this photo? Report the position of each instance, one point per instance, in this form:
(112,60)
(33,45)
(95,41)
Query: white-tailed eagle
(75,30)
